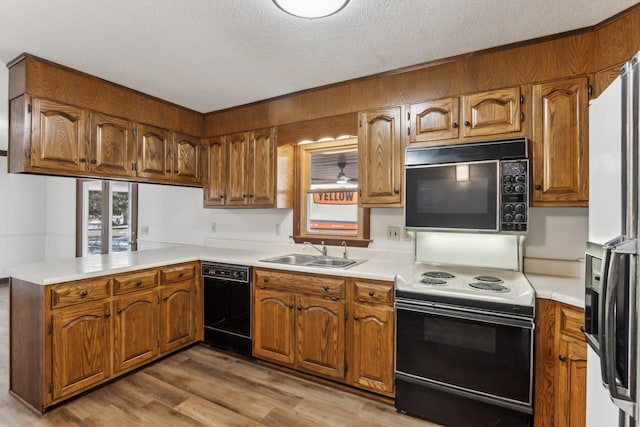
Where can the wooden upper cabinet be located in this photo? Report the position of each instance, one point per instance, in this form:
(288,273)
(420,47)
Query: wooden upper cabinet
(216,172)
(434,120)
(113,148)
(560,143)
(153,152)
(58,137)
(262,167)
(81,345)
(237,152)
(380,162)
(492,112)
(185,156)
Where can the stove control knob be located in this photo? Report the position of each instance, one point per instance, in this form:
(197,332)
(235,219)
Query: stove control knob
(507,178)
(519,188)
(508,218)
(520,208)
(508,189)
(521,179)
(519,218)
(508,208)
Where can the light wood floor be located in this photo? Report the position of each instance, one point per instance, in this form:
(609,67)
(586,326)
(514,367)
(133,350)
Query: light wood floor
(200,387)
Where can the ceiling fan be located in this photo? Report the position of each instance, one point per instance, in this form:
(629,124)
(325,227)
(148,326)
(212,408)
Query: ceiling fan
(342,178)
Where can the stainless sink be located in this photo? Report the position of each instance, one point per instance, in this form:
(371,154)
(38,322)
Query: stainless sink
(313,261)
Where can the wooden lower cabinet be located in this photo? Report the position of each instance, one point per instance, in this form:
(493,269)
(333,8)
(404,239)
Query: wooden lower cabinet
(81,343)
(273,326)
(69,337)
(136,329)
(373,348)
(561,362)
(326,325)
(320,336)
(177,315)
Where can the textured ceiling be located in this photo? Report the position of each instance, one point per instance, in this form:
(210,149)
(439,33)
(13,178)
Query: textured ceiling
(213,54)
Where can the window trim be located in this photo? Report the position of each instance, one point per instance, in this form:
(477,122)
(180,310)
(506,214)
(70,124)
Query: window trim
(81,206)
(302,182)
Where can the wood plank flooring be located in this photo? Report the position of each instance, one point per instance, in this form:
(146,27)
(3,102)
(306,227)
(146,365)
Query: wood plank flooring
(200,387)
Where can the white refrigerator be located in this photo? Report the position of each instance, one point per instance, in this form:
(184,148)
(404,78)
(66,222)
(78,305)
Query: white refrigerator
(613,228)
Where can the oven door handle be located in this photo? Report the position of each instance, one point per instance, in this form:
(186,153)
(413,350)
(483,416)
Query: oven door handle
(620,395)
(438,310)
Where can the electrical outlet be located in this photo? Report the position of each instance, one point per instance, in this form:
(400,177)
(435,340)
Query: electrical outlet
(144,229)
(407,235)
(393,233)
(213,227)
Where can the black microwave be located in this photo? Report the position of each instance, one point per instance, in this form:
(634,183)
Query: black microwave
(473,187)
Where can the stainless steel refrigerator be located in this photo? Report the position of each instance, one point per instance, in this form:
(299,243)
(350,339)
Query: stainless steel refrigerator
(611,299)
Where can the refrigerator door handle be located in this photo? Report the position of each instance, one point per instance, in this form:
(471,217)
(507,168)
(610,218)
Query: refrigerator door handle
(604,274)
(620,396)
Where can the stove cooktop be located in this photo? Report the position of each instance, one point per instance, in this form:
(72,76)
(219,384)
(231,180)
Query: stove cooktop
(488,288)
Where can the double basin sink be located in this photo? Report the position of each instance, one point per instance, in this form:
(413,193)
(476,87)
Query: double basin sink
(314,261)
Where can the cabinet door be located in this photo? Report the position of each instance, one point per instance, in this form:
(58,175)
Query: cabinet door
(571,382)
(435,120)
(380,163)
(186,159)
(237,147)
(216,174)
(112,146)
(320,336)
(153,152)
(177,311)
(273,331)
(492,112)
(58,137)
(560,144)
(81,348)
(136,329)
(373,348)
(262,168)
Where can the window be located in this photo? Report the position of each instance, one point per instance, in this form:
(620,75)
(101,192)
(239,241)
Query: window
(106,217)
(327,205)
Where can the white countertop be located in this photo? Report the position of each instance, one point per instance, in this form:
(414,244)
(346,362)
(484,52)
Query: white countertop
(569,290)
(47,273)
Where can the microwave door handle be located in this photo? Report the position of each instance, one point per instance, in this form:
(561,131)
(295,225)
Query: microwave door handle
(621,396)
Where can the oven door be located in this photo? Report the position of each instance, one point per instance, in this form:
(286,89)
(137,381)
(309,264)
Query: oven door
(456,196)
(481,353)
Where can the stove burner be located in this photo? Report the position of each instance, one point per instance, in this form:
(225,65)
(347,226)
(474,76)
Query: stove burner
(438,274)
(490,279)
(486,286)
(432,281)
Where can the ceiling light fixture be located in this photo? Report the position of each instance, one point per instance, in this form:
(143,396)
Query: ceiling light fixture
(311,9)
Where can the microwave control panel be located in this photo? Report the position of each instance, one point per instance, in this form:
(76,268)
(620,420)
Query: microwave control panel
(514,197)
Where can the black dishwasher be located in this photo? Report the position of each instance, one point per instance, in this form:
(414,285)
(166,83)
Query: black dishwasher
(227,306)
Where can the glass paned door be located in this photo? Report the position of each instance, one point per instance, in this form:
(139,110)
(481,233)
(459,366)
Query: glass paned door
(108,212)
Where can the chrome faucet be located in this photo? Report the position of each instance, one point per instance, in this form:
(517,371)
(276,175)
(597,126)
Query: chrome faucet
(323,251)
(344,254)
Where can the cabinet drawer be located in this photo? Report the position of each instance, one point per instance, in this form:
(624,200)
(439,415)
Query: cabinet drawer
(135,281)
(570,321)
(80,291)
(317,285)
(379,293)
(177,273)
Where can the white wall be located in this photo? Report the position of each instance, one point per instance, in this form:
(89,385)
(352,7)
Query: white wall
(557,233)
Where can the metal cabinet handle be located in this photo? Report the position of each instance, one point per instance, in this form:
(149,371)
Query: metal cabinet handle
(263,287)
(454,125)
(325,287)
(562,358)
(371,293)
(290,305)
(299,308)
(467,123)
(265,280)
(334,298)
(356,318)
(396,191)
(139,282)
(251,196)
(165,299)
(119,310)
(107,315)
(181,274)
(538,187)
(176,171)
(84,293)
(94,161)
(83,160)
(168,170)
